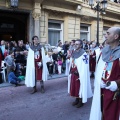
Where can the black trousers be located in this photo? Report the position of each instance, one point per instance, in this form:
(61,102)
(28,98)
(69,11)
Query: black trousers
(50,67)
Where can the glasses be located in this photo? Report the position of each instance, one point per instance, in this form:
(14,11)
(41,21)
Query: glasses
(77,44)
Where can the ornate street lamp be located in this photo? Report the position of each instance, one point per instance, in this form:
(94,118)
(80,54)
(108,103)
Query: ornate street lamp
(14,3)
(100,8)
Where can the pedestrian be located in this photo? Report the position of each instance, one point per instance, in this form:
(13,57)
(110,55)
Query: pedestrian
(79,79)
(106,99)
(36,66)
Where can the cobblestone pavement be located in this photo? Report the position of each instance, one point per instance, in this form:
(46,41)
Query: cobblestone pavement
(16,103)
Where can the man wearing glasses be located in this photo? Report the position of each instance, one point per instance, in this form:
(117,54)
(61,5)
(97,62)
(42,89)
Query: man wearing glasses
(79,79)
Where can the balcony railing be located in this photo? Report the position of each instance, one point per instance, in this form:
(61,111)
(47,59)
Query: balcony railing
(87,1)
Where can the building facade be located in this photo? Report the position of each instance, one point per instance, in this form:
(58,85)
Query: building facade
(54,20)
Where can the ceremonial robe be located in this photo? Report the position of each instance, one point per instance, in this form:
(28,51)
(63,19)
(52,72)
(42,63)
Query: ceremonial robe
(82,66)
(108,69)
(30,69)
(92,61)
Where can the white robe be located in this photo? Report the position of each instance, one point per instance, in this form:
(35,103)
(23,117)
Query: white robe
(97,51)
(85,85)
(95,113)
(30,69)
(67,67)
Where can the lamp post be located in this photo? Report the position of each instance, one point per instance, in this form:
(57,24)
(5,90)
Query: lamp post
(14,3)
(100,8)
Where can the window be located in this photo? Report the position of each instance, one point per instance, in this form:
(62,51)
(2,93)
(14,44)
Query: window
(55,32)
(85,32)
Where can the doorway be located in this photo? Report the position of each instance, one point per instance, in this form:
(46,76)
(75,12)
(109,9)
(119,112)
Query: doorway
(13,26)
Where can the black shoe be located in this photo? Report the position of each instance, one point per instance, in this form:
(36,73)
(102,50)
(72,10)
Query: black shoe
(34,90)
(75,102)
(42,90)
(92,75)
(80,104)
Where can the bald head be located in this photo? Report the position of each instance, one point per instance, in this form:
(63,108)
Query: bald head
(113,36)
(115,30)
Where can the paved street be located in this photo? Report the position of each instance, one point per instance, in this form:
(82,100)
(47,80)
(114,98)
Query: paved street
(16,103)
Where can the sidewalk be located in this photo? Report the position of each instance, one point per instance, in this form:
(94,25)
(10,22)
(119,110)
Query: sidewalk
(54,76)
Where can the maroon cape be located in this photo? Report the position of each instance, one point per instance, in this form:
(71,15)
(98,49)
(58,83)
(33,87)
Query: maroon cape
(92,62)
(74,84)
(111,108)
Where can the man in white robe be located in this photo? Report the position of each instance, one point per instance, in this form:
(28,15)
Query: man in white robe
(79,79)
(36,66)
(106,100)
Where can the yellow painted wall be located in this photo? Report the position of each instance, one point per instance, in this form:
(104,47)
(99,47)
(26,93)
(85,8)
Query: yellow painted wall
(71,20)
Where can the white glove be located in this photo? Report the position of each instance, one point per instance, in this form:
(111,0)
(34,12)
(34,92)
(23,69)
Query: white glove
(102,84)
(113,86)
(39,64)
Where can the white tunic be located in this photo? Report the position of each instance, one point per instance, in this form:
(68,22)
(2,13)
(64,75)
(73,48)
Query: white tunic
(95,113)
(30,69)
(82,64)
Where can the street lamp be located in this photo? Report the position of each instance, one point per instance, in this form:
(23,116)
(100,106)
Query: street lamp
(100,7)
(14,3)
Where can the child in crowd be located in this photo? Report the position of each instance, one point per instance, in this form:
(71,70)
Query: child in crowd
(59,64)
(12,78)
(10,63)
(49,61)
(55,56)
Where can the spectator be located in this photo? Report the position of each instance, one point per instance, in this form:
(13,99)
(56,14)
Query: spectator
(65,48)
(27,45)
(59,48)
(49,61)
(12,78)
(20,54)
(9,60)
(55,55)
(2,48)
(86,46)
(59,64)
(72,46)
(58,43)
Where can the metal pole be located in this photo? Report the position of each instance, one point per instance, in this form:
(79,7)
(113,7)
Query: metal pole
(98,24)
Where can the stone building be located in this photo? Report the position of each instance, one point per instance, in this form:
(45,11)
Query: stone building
(52,20)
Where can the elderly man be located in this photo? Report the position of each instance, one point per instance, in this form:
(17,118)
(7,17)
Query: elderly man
(79,79)
(106,99)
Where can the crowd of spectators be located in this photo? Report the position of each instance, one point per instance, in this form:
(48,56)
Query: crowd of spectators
(15,55)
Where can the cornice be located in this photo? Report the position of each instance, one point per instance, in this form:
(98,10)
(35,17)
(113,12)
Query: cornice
(74,1)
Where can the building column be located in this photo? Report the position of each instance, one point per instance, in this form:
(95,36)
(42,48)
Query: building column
(36,15)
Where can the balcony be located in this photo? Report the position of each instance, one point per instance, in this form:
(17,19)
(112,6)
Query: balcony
(112,7)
